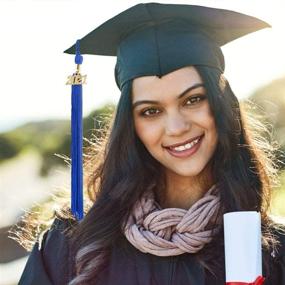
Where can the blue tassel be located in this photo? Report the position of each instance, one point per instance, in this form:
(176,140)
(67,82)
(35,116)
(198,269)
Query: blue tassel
(76,146)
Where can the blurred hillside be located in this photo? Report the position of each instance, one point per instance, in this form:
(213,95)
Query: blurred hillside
(270,100)
(49,137)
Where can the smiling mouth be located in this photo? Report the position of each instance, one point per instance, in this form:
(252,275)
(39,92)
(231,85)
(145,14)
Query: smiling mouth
(184,145)
(186,150)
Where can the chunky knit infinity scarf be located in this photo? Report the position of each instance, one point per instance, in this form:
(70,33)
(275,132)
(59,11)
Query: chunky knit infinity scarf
(172,231)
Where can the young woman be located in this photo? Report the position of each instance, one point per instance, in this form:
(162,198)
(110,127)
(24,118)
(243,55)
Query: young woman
(179,154)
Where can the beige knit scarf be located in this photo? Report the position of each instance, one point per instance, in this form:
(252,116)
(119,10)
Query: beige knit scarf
(172,231)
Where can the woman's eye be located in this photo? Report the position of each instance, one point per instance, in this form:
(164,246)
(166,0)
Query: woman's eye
(149,112)
(195,99)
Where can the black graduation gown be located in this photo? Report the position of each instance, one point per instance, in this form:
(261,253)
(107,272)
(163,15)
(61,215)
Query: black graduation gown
(52,264)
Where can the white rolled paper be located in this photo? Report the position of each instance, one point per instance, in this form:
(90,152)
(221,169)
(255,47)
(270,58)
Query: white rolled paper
(242,233)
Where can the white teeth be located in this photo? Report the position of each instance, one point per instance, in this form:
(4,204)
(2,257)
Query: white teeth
(186,146)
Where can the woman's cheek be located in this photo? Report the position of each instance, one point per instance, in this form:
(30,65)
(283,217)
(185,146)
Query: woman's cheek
(150,133)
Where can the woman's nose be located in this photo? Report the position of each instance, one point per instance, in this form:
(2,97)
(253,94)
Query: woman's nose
(176,124)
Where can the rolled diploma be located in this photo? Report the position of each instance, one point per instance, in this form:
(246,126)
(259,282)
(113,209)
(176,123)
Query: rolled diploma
(242,234)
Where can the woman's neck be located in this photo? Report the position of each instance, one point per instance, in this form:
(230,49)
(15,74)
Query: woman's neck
(183,192)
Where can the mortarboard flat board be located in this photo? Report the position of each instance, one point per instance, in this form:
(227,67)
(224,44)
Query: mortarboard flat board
(155,38)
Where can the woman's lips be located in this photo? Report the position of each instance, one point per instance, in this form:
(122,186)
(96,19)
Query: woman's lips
(183,143)
(186,152)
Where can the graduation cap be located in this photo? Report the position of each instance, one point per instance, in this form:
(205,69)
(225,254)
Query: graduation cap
(155,39)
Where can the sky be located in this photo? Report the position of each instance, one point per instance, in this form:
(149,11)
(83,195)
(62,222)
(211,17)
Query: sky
(34,69)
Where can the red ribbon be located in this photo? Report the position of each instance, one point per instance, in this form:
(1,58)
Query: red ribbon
(258,281)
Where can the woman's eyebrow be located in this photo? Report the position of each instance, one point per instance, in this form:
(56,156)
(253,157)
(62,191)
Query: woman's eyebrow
(197,85)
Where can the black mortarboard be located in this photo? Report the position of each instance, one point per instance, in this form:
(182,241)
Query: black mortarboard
(155,39)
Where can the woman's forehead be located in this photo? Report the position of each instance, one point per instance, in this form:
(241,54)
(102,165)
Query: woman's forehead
(174,82)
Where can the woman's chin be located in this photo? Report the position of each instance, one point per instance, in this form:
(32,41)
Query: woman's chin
(185,171)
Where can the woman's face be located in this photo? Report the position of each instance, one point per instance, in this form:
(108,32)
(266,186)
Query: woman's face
(169,113)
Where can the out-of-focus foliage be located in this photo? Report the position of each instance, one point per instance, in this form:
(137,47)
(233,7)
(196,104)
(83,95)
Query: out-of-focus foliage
(39,135)
(271,103)
(8,147)
(278,197)
(50,137)
(272,99)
